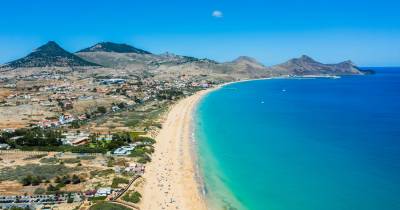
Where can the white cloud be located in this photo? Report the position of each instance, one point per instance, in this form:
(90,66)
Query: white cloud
(217,14)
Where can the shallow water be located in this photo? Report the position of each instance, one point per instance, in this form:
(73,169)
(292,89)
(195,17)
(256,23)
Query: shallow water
(309,144)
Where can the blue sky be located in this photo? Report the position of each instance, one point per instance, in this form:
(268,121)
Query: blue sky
(367,32)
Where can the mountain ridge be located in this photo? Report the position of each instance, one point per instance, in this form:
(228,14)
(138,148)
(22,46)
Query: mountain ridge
(113,47)
(123,56)
(49,54)
(305,65)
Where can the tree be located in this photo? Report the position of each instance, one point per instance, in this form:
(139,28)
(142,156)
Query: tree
(51,188)
(121,105)
(133,197)
(101,109)
(76,179)
(26,180)
(65,180)
(36,180)
(75,124)
(70,200)
(57,180)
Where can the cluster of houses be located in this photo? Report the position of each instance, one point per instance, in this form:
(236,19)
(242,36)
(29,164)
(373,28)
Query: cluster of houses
(135,168)
(75,138)
(112,81)
(63,119)
(101,192)
(58,94)
(14,200)
(126,150)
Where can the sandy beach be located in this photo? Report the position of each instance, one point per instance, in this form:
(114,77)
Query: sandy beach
(170,179)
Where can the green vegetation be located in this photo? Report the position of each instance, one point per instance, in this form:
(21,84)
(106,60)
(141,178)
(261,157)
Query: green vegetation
(70,200)
(49,160)
(50,140)
(144,139)
(31,180)
(33,157)
(107,206)
(143,153)
(67,148)
(71,160)
(98,198)
(144,119)
(133,197)
(169,94)
(87,157)
(119,161)
(145,159)
(32,137)
(45,171)
(53,189)
(18,208)
(39,191)
(119,180)
(101,109)
(45,140)
(64,180)
(105,172)
(77,124)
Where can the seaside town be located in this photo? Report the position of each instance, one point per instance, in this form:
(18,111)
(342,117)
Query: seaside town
(69,141)
(200,105)
(78,131)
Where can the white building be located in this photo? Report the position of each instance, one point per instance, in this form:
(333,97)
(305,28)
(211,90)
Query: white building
(124,150)
(75,138)
(4,146)
(104,191)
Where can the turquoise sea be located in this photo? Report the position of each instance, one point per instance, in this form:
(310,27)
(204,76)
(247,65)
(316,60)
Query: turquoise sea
(302,144)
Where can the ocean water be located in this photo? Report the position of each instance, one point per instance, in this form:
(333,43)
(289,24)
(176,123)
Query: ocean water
(302,144)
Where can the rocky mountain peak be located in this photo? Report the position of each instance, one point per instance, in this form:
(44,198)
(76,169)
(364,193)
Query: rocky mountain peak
(49,55)
(113,47)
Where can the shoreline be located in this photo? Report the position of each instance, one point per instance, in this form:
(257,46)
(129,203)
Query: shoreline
(171,179)
(176,141)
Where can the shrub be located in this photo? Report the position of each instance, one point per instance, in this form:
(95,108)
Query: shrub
(39,191)
(76,179)
(105,172)
(32,157)
(48,160)
(71,160)
(145,139)
(145,159)
(36,180)
(45,171)
(109,206)
(87,157)
(52,189)
(31,180)
(137,152)
(101,109)
(26,180)
(132,197)
(98,198)
(119,180)
(70,200)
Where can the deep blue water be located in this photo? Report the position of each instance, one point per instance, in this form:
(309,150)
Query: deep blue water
(303,144)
